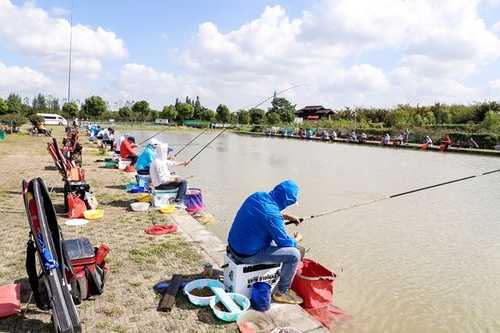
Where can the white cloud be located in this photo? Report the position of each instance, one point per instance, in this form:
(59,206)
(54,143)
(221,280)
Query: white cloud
(36,33)
(495,84)
(441,43)
(137,82)
(435,48)
(22,80)
(496,28)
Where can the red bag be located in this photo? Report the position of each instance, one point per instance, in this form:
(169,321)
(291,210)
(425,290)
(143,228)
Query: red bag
(314,283)
(10,300)
(76,206)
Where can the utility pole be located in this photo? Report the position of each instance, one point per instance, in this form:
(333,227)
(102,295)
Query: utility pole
(70,54)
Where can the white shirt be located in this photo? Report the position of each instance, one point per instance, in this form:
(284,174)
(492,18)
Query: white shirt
(118,142)
(159,171)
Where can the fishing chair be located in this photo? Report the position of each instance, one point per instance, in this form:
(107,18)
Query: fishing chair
(49,283)
(73,177)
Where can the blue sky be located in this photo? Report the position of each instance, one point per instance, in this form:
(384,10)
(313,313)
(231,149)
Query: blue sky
(344,52)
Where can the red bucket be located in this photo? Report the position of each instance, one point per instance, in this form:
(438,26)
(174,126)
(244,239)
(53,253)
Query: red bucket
(314,283)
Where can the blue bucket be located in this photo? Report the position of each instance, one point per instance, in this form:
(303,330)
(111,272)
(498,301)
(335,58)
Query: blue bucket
(261,296)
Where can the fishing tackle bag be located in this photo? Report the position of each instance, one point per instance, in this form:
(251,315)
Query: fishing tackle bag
(48,275)
(89,268)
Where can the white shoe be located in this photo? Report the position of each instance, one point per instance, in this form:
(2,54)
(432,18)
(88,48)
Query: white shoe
(180,205)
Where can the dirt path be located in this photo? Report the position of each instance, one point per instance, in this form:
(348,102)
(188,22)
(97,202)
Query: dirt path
(137,260)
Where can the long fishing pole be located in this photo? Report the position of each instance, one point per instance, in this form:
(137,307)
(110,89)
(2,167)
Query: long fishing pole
(278,93)
(190,142)
(329,212)
(208,144)
(144,141)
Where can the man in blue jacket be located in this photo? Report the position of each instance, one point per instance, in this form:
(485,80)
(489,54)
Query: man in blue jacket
(146,157)
(258,223)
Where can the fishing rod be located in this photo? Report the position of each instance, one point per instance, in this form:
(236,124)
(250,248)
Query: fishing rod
(190,142)
(276,94)
(208,144)
(329,212)
(153,136)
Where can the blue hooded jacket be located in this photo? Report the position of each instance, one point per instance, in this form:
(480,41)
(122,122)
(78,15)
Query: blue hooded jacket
(259,220)
(145,159)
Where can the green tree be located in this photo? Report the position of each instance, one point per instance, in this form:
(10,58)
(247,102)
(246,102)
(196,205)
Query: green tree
(141,109)
(184,111)
(169,112)
(93,107)
(233,119)
(207,115)
(35,119)
(273,118)
(491,121)
(223,114)
(257,116)
(14,104)
(3,106)
(70,110)
(40,104)
(283,108)
(53,105)
(125,113)
(197,108)
(13,119)
(244,117)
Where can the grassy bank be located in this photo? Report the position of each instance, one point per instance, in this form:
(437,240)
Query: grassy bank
(137,261)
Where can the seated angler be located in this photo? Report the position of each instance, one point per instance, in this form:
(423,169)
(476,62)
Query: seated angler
(258,236)
(128,150)
(108,138)
(162,178)
(146,157)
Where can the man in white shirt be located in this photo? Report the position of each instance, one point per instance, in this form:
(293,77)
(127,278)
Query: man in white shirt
(162,178)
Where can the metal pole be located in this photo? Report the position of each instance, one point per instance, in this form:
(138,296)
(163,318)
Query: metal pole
(70,55)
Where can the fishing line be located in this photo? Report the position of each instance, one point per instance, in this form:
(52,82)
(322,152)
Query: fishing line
(208,144)
(329,212)
(153,136)
(278,93)
(190,142)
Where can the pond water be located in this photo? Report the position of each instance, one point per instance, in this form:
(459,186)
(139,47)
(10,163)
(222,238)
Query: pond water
(426,262)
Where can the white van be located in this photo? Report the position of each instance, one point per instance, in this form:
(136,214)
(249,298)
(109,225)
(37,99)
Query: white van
(53,119)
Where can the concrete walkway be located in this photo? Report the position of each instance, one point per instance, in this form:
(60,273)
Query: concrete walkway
(213,248)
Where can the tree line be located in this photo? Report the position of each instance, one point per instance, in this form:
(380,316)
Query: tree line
(474,117)
(18,110)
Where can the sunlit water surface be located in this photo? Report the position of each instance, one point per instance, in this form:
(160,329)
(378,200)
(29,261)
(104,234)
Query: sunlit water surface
(426,262)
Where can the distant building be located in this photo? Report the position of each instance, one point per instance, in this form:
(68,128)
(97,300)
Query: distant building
(314,112)
(161,121)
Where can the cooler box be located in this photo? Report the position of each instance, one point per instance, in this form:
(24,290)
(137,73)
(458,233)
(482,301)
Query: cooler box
(123,163)
(163,197)
(143,181)
(239,278)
